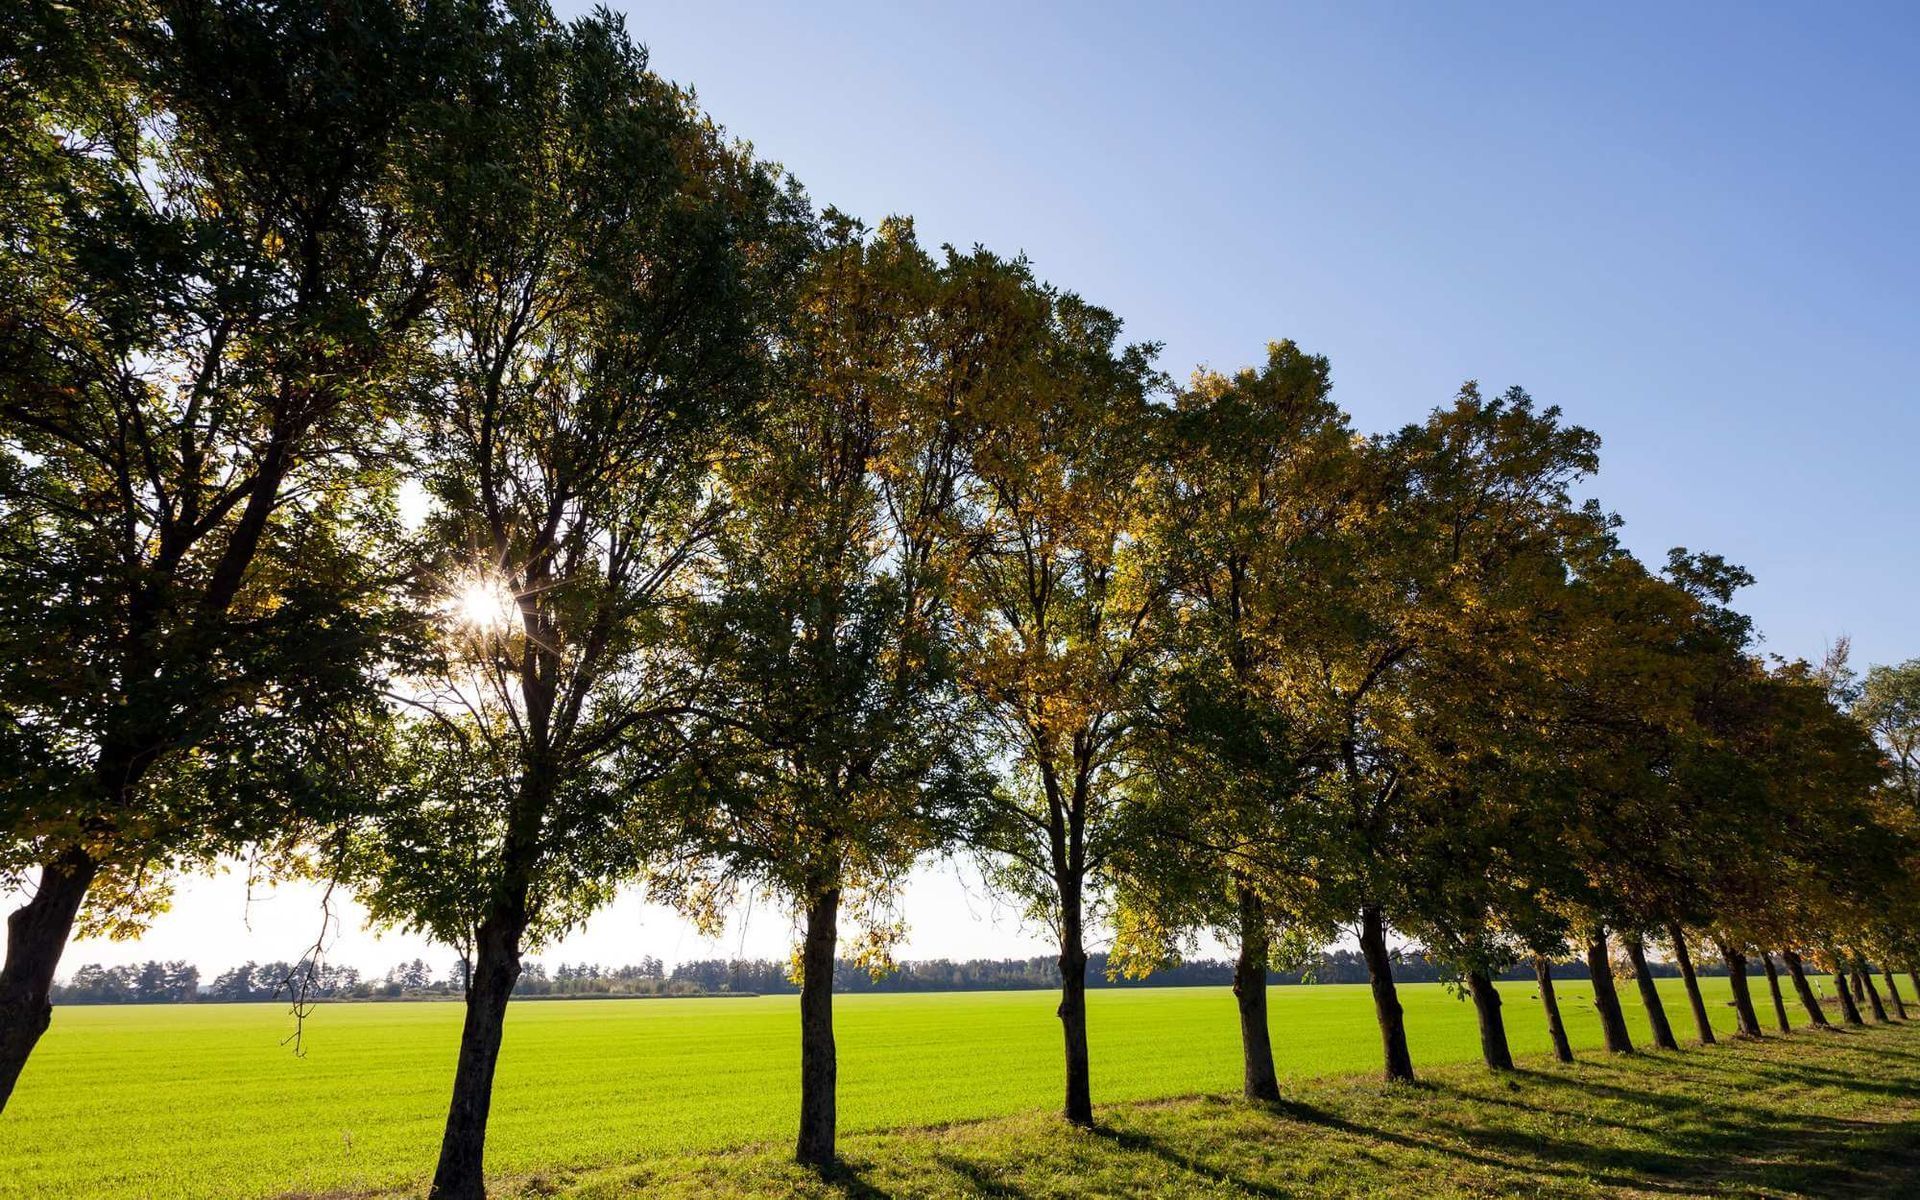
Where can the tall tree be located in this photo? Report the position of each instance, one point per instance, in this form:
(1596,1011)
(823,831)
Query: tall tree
(205,299)
(832,749)
(1660,806)
(1801,798)
(1473,493)
(1486,874)
(609,266)
(1053,605)
(1224,835)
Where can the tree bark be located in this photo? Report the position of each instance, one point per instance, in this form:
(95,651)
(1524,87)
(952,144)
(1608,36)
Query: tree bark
(1863,978)
(1893,994)
(1556,1028)
(37,935)
(1649,993)
(1493,1029)
(496,968)
(1773,988)
(1073,1005)
(1250,992)
(1859,993)
(1796,971)
(1849,1011)
(1695,1000)
(1742,996)
(819,1067)
(1606,1000)
(1386,999)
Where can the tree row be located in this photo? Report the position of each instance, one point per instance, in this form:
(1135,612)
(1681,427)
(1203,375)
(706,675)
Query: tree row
(438,461)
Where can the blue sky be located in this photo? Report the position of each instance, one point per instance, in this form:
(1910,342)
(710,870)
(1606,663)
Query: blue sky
(1693,227)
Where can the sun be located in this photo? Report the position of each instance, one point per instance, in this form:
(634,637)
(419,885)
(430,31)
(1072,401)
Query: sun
(483,604)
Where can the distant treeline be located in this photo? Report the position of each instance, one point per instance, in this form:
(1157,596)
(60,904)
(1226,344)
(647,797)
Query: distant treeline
(179,982)
(1010,974)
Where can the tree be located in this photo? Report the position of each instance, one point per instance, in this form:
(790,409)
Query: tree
(1052,602)
(1464,504)
(1889,706)
(415,976)
(205,306)
(1222,835)
(608,265)
(1801,790)
(1486,873)
(832,747)
(1658,807)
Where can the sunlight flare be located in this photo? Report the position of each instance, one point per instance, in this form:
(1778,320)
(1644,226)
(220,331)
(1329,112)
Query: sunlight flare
(483,604)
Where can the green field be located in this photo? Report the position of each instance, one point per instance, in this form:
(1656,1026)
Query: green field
(179,1101)
(1813,1116)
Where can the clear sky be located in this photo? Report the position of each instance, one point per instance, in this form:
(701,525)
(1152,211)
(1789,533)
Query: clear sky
(1691,226)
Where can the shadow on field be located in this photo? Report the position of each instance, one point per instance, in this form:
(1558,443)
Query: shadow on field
(1414,1138)
(1140,1143)
(1739,1119)
(1678,1124)
(850,1180)
(981,1181)
(854,1180)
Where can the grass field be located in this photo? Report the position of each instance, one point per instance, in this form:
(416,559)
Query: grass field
(1814,1116)
(201,1101)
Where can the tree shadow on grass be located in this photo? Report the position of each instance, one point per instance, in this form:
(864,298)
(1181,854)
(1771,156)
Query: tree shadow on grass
(1848,1044)
(1585,1116)
(1707,1068)
(1825,1077)
(1807,1154)
(980,1180)
(1721,1144)
(1514,1155)
(849,1178)
(1307,1114)
(1676,1123)
(1848,1040)
(1140,1143)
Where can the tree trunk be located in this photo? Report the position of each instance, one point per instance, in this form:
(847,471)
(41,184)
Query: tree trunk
(1556,1028)
(496,968)
(1893,994)
(1796,971)
(1773,988)
(37,935)
(1606,1000)
(819,1069)
(1864,978)
(1493,1029)
(1695,1000)
(1849,1011)
(1859,993)
(1386,999)
(1250,992)
(1073,1006)
(1742,997)
(1649,993)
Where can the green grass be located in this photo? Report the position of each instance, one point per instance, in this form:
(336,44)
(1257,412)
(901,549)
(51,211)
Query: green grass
(1813,1115)
(177,1101)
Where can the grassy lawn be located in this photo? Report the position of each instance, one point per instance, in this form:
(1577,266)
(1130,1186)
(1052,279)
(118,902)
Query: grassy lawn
(198,1101)
(1815,1115)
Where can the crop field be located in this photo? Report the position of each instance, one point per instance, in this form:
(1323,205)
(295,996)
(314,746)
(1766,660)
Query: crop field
(205,1100)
